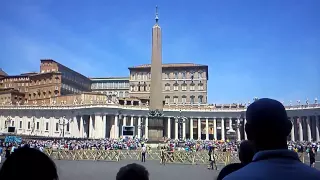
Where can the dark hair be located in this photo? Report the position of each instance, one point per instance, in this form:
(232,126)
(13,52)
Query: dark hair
(24,162)
(133,171)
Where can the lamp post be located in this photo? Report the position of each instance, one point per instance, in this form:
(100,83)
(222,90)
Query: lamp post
(180,120)
(63,122)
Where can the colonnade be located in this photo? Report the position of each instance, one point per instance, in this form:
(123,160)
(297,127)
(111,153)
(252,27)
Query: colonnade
(99,125)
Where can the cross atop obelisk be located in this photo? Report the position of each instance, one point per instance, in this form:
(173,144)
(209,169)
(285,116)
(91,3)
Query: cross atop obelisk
(156,67)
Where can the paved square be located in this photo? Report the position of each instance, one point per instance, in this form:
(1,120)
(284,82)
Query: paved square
(100,170)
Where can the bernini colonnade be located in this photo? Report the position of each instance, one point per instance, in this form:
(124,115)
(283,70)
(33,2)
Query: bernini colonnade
(106,121)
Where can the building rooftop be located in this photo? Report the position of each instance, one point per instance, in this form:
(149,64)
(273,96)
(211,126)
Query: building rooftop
(108,78)
(169,65)
(2,73)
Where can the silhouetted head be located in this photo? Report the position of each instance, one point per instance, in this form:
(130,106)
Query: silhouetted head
(267,124)
(133,172)
(28,163)
(246,152)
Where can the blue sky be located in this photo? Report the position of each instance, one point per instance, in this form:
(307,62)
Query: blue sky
(253,48)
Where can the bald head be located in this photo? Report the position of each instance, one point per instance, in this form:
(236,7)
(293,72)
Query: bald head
(267,122)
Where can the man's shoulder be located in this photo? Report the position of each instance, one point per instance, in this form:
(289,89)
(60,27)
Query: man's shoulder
(262,169)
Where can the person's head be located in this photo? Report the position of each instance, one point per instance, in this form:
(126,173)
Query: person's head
(133,172)
(246,152)
(267,124)
(28,162)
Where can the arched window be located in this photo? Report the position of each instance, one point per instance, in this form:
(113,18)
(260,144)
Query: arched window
(192,99)
(200,98)
(167,87)
(167,99)
(184,99)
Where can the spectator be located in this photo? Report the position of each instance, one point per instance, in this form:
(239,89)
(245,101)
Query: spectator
(133,172)
(268,127)
(246,153)
(28,163)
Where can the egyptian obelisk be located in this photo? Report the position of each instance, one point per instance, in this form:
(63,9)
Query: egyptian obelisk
(156,98)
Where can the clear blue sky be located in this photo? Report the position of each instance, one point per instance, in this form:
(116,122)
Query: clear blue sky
(267,48)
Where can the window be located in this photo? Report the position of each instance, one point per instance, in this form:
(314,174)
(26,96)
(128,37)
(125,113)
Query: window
(167,99)
(68,127)
(192,87)
(20,125)
(192,99)
(57,127)
(29,125)
(47,126)
(175,99)
(184,99)
(200,99)
(38,126)
(176,87)
(184,86)
(175,75)
(200,86)
(12,123)
(200,75)
(183,75)
(167,75)
(167,87)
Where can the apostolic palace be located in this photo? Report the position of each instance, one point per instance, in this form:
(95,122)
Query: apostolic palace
(155,101)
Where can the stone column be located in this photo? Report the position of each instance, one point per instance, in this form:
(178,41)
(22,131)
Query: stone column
(116,124)
(176,130)
(292,129)
(199,128)
(222,130)
(300,129)
(317,128)
(146,128)
(215,129)
(139,127)
(81,126)
(169,127)
(98,127)
(238,130)
(184,130)
(91,131)
(131,121)
(207,129)
(104,128)
(308,129)
(124,121)
(230,124)
(191,128)
(245,133)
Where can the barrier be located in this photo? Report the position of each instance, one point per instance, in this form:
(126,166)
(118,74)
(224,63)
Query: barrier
(176,157)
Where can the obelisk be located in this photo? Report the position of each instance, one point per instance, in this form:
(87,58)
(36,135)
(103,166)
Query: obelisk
(156,99)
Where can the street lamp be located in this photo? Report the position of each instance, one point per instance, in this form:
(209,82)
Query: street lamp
(63,122)
(180,120)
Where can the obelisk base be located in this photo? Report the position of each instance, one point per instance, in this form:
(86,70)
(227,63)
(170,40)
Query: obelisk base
(155,129)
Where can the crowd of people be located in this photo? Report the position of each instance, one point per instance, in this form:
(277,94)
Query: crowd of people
(264,156)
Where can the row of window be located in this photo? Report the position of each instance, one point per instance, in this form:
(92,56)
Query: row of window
(169,75)
(184,86)
(70,88)
(184,99)
(110,85)
(78,80)
(15,79)
(37,126)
